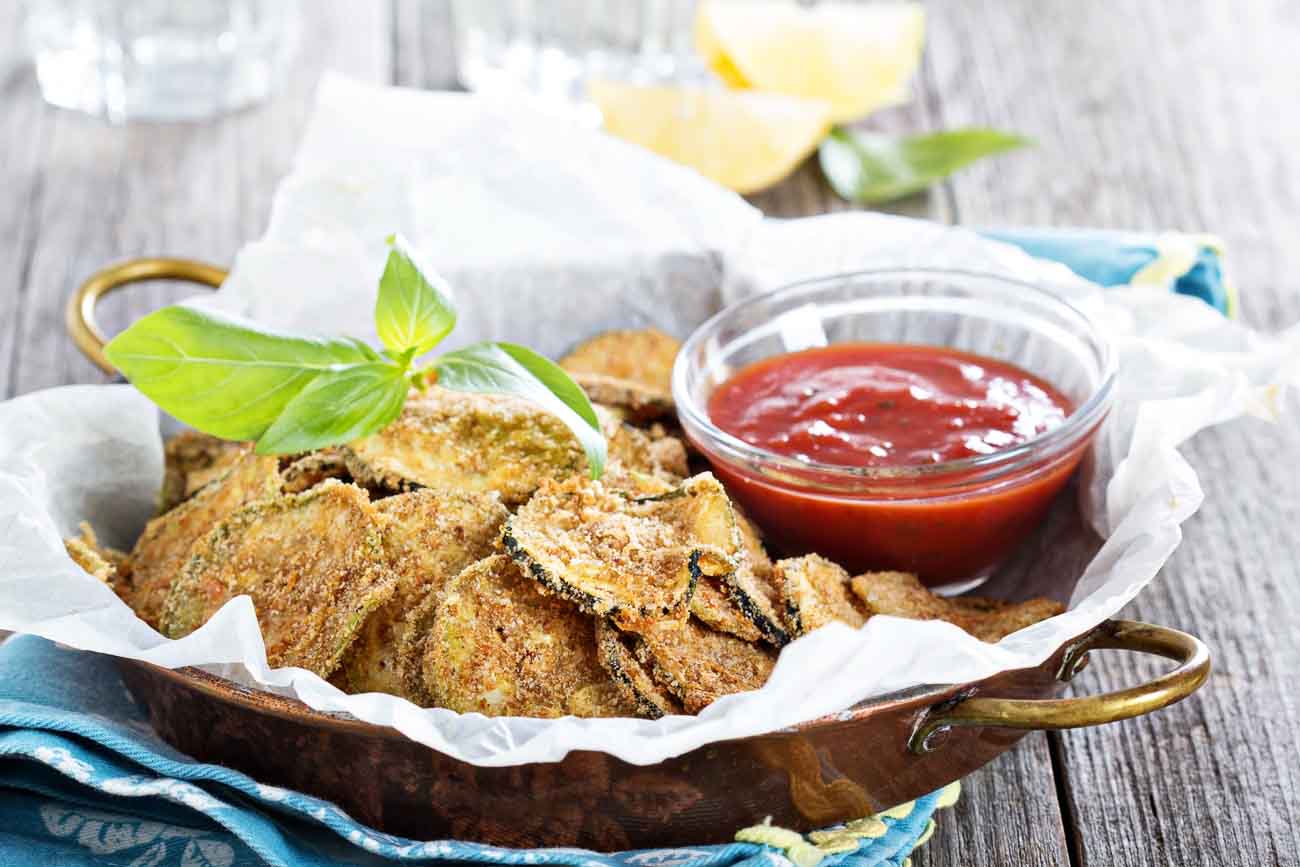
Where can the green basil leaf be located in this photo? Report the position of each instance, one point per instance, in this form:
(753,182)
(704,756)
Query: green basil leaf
(337,407)
(224,376)
(415,308)
(871,167)
(506,368)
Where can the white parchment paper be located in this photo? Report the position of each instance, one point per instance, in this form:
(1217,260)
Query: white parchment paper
(552,232)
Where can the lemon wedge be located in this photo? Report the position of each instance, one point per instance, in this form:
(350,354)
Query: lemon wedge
(858,57)
(744,140)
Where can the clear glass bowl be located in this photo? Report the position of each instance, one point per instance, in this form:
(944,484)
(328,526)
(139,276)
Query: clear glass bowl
(953,522)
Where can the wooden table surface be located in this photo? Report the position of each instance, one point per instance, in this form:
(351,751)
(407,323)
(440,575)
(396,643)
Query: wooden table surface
(1148,115)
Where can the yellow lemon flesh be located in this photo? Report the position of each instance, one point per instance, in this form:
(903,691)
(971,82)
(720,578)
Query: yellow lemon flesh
(744,140)
(857,57)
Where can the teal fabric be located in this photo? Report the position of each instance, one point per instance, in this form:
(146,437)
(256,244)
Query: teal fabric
(84,780)
(1111,258)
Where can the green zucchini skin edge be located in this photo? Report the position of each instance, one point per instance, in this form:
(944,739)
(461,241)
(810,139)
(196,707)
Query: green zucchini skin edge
(771,630)
(645,705)
(586,601)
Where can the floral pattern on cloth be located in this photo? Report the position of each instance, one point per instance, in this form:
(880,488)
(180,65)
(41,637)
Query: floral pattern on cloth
(84,780)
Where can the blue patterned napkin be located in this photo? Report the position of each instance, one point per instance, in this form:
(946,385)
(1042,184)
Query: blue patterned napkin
(84,780)
(1188,264)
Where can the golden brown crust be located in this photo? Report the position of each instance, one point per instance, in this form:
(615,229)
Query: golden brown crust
(87,553)
(641,355)
(637,402)
(699,665)
(712,604)
(501,647)
(619,557)
(647,697)
(901,594)
(816,592)
(629,369)
(192,459)
(307,471)
(429,537)
(164,547)
(752,588)
(467,442)
(313,563)
(634,450)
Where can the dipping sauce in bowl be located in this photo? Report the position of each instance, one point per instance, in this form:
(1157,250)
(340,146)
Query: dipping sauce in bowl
(885,405)
(915,420)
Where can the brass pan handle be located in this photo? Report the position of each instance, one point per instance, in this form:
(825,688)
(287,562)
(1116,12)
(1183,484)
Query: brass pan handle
(79,316)
(1067,713)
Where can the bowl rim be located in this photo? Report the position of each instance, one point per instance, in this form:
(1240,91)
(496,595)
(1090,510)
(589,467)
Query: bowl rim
(1081,421)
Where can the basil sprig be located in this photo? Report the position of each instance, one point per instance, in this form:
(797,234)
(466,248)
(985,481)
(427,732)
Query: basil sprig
(293,393)
(870,168)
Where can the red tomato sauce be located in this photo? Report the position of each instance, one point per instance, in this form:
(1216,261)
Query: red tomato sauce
(894,405)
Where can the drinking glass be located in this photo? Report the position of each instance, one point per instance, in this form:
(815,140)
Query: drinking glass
(550,49)
(160,60)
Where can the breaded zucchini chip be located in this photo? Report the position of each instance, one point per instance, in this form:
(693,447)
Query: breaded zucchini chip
(191,460)
(901,594)
(752,588)
(618,656)
(307,471)
(501,647)
(698,665)
(429,537)
(313,563)
(630,369)
(712,604)
(624,557)
(100,561)
(164,546)
(467,442)
(816,592)
(633,449)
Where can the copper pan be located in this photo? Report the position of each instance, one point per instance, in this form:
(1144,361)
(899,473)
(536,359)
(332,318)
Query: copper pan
(883,752)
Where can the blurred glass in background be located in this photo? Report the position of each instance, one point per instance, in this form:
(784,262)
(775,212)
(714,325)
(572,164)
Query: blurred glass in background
(550,49)
(160,60)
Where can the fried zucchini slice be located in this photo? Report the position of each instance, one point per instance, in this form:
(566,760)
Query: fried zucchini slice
(467,442)
(698,665)
(313,563)
(100,561)
(752,588)
(429,537)
(816,592)
(501,647)
(712,604)
(638,403)
(309,470)
(647,697)
(604,699)
(634,449)
(629,369)
(192,459)
(901,594)
(164,546)
(642,355)
(624,557)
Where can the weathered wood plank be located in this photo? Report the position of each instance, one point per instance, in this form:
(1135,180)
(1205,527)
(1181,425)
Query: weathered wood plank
(94,193)
(1147,121)
(1007,815)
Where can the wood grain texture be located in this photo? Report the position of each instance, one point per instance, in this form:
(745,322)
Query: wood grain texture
(1007,815)
(1149,116)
